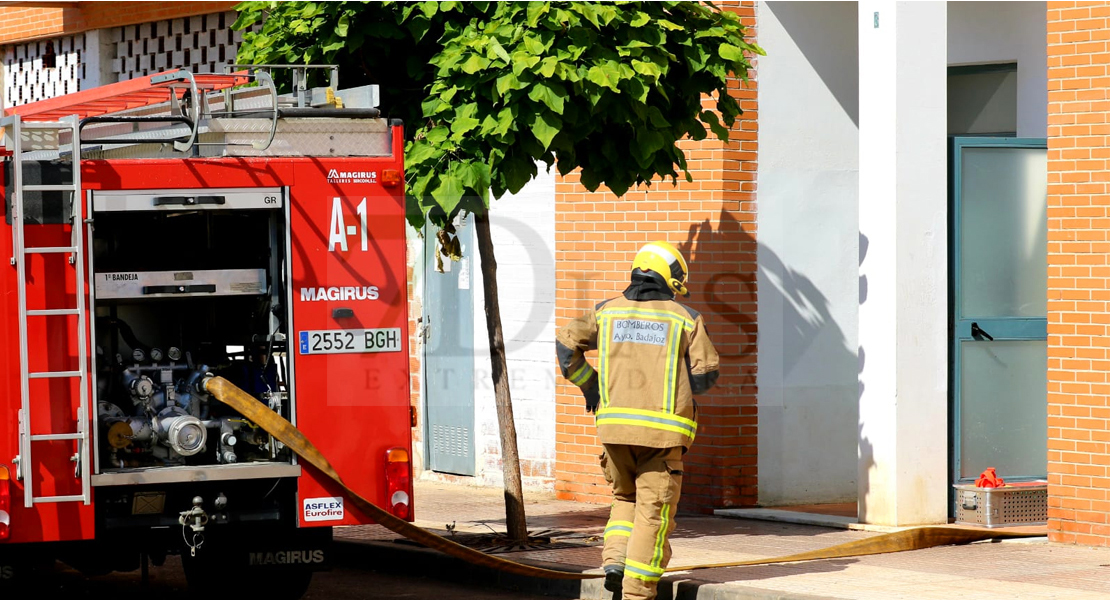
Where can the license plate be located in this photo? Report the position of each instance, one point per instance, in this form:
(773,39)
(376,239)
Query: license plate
(341,341)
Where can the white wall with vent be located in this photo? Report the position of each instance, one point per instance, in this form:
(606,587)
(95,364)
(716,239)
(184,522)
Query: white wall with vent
(26,79)
(202,44)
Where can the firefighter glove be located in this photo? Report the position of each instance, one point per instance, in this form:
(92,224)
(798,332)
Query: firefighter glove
(592,394)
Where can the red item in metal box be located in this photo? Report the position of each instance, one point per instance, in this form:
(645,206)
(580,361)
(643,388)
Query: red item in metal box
(989,479)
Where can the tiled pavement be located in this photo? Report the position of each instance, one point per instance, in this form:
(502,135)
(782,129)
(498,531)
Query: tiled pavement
(1026,569)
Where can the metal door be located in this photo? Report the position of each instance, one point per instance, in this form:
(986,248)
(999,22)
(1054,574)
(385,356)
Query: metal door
(999,308)
(449,353)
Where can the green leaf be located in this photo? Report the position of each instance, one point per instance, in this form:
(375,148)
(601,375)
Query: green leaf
(648,142)
(464,121)
(433,106)
(730,52)
(589,11)
(535,11)
(547,66)
(710,118)
(476,176)
(637,90)
(647,68)
(523,62)
(545,126)
(413,212)
(438,135)
(550,94)
(449,192)
(418,153)
(533,45)
(665,24)
(508,82)
(474,63)
(605,75)
(640,19)
(505,120)
(656,118)
(342,25)
(498,51)
(515,172)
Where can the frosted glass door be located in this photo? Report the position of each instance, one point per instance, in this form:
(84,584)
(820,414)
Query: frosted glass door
(999,300)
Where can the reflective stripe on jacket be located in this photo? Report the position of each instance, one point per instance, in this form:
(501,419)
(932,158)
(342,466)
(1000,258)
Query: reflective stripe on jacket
(653,356)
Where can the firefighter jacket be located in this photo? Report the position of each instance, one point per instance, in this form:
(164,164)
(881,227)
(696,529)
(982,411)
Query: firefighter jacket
(653,356)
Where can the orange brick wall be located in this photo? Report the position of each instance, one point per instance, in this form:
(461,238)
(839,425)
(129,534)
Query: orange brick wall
(712,221)
(23,23)
(1079,272)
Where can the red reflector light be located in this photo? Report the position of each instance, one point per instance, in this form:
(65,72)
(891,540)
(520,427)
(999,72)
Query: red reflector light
(391,178)
(398,482)
(5,503)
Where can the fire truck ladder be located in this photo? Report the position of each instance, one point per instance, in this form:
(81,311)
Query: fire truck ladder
(21,252)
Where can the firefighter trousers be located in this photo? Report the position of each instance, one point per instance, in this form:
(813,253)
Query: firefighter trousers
(646,487)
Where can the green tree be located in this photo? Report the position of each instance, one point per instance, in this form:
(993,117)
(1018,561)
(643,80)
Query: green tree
(489,89)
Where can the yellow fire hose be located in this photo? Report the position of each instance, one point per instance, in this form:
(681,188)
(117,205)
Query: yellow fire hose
(901,541)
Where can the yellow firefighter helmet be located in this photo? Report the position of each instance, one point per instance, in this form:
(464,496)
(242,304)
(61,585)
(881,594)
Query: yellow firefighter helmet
(665,260)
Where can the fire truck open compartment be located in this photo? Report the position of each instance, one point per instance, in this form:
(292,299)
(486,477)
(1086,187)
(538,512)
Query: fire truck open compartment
(187,282)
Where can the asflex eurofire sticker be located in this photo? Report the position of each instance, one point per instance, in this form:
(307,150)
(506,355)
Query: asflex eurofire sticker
(323,509)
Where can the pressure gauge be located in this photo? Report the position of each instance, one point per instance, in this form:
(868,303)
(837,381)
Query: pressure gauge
(155,354)
(138,355)
(174,353)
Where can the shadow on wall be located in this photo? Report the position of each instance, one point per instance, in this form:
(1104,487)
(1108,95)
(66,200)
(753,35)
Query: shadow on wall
(866,451)
(808,24)
(723,462)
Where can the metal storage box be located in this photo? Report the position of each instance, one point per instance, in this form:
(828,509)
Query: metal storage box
(1020,504)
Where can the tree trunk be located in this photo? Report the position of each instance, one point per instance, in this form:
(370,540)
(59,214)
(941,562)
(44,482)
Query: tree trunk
(510,462)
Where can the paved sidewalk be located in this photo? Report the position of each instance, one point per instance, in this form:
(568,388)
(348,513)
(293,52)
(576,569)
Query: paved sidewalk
(1026,569)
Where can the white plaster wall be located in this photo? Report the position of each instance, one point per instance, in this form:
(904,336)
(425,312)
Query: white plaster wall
(998,32)
(808,252)
(903,337)
(524,245)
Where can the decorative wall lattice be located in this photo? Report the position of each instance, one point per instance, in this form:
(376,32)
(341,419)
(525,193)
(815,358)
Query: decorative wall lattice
(27,79)
(202,44)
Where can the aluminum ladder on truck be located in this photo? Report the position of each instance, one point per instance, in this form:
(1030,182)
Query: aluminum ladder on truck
(14,130)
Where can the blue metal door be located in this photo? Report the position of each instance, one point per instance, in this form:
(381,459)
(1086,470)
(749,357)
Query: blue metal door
(999,308)
(448,324)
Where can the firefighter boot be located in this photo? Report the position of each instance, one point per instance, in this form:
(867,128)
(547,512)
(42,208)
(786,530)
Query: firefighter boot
(614,578)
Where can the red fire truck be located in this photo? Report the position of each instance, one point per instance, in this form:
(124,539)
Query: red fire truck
(174,226)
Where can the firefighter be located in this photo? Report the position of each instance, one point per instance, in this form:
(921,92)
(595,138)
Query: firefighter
(654,355)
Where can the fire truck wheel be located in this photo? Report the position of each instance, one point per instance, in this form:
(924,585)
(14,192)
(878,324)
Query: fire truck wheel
(210,577)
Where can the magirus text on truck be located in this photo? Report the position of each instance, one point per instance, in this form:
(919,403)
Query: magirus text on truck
(173,228)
